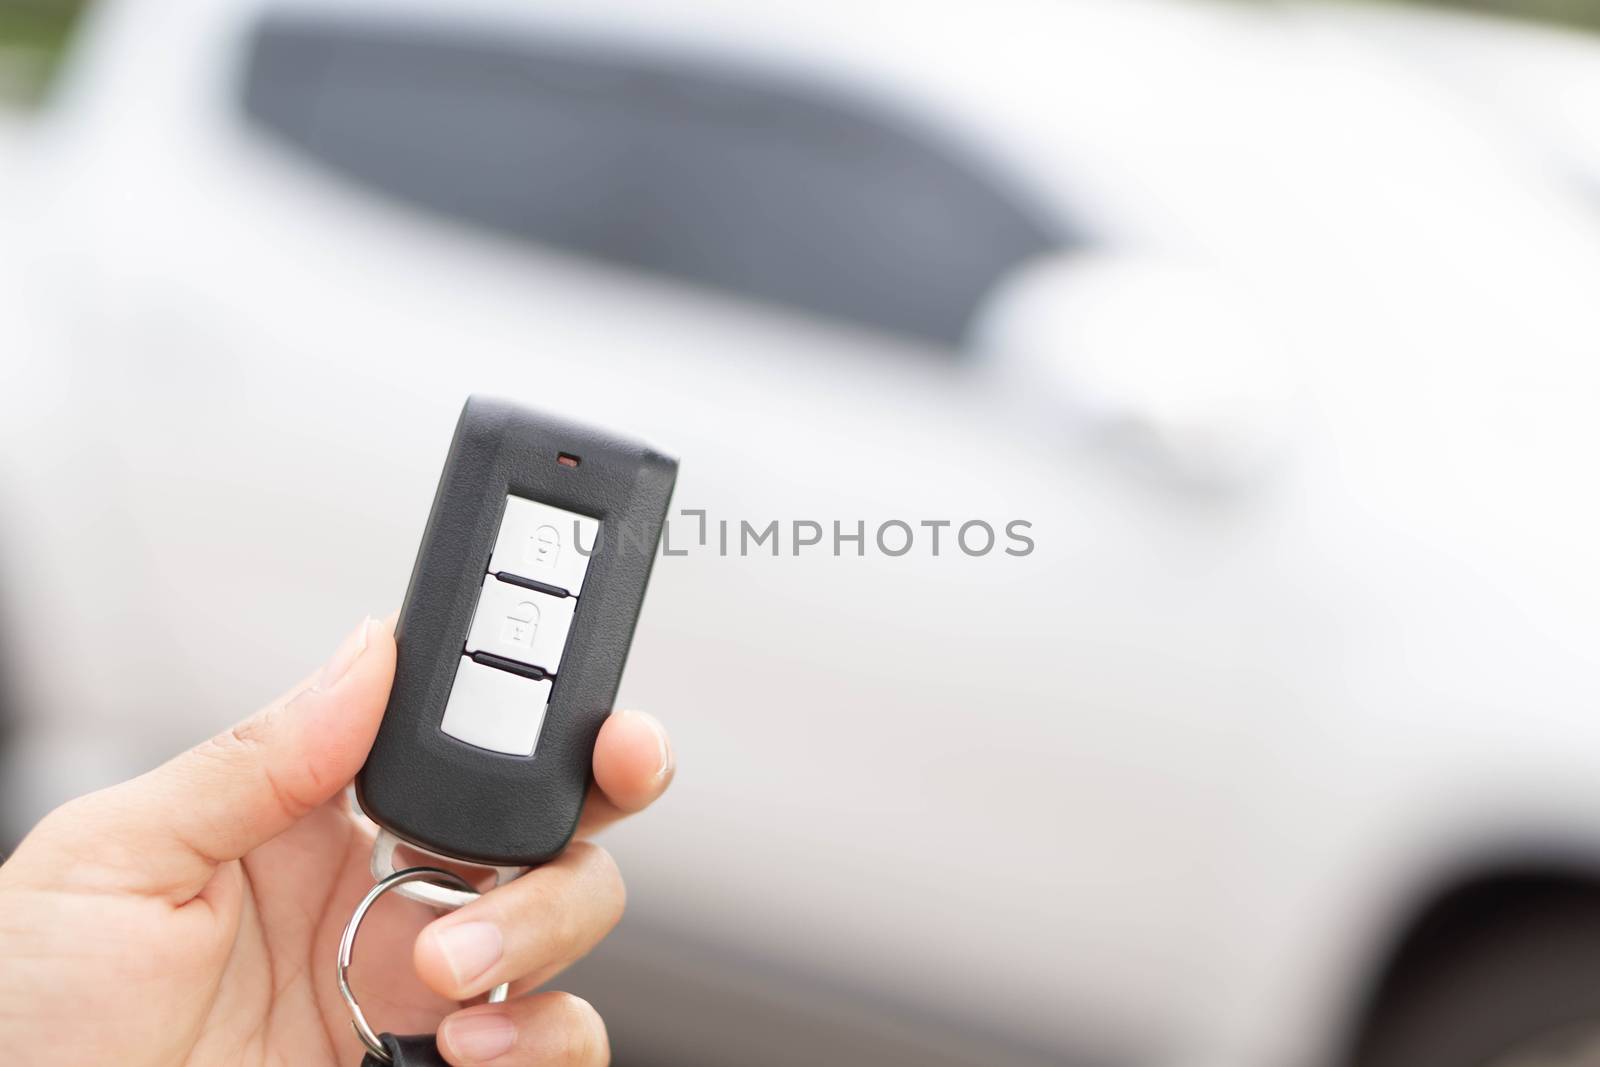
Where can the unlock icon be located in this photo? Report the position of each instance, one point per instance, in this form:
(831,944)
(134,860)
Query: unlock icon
(520,624)
(544,545)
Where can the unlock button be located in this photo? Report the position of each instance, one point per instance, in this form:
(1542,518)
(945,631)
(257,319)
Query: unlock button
(521,624)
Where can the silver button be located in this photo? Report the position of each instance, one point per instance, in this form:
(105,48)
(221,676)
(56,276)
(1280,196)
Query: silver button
(521,624)
(544,544)
(495,709)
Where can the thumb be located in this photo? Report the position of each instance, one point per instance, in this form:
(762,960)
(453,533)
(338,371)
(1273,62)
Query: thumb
(166,831)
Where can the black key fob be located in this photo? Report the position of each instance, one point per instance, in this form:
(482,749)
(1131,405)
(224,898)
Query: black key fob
(513,634)
(419,1051)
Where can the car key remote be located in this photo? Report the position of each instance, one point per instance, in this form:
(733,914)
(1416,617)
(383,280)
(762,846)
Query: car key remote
(513,634)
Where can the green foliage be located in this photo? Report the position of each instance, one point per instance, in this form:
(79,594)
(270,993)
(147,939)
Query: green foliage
(33,35)
(1570,12)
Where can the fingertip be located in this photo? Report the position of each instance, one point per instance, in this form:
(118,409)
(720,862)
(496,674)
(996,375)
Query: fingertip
(633,759)
(376,665)
(480,1034)
(550,1027)
(432,966)
(367,677)
(429,964)
(337,720)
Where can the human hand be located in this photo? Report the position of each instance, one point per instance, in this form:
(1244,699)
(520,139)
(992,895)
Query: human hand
(191,916)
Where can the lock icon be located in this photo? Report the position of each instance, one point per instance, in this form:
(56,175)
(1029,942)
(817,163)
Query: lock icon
(543,546)
(520,623)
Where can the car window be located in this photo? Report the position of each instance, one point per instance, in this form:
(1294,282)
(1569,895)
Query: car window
(719,177)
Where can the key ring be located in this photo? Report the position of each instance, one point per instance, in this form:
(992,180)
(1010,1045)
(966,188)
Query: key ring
(347,943)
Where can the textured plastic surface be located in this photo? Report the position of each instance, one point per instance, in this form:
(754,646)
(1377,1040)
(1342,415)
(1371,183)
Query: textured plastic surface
(418,1051)
(467,802)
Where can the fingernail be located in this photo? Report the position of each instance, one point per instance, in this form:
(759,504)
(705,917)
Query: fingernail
(663,747)
(349,651)
(479,1037)
(470,949)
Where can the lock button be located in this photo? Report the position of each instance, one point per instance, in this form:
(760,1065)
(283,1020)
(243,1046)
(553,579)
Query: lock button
(544,544)
(521,624)
(495,709)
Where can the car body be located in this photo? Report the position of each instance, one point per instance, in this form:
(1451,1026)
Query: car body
(1289,370)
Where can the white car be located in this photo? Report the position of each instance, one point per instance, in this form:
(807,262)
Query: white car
(1279,746)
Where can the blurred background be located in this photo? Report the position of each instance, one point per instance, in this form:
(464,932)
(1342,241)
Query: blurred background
(1278,322)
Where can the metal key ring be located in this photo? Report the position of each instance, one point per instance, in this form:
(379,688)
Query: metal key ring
(347,943)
